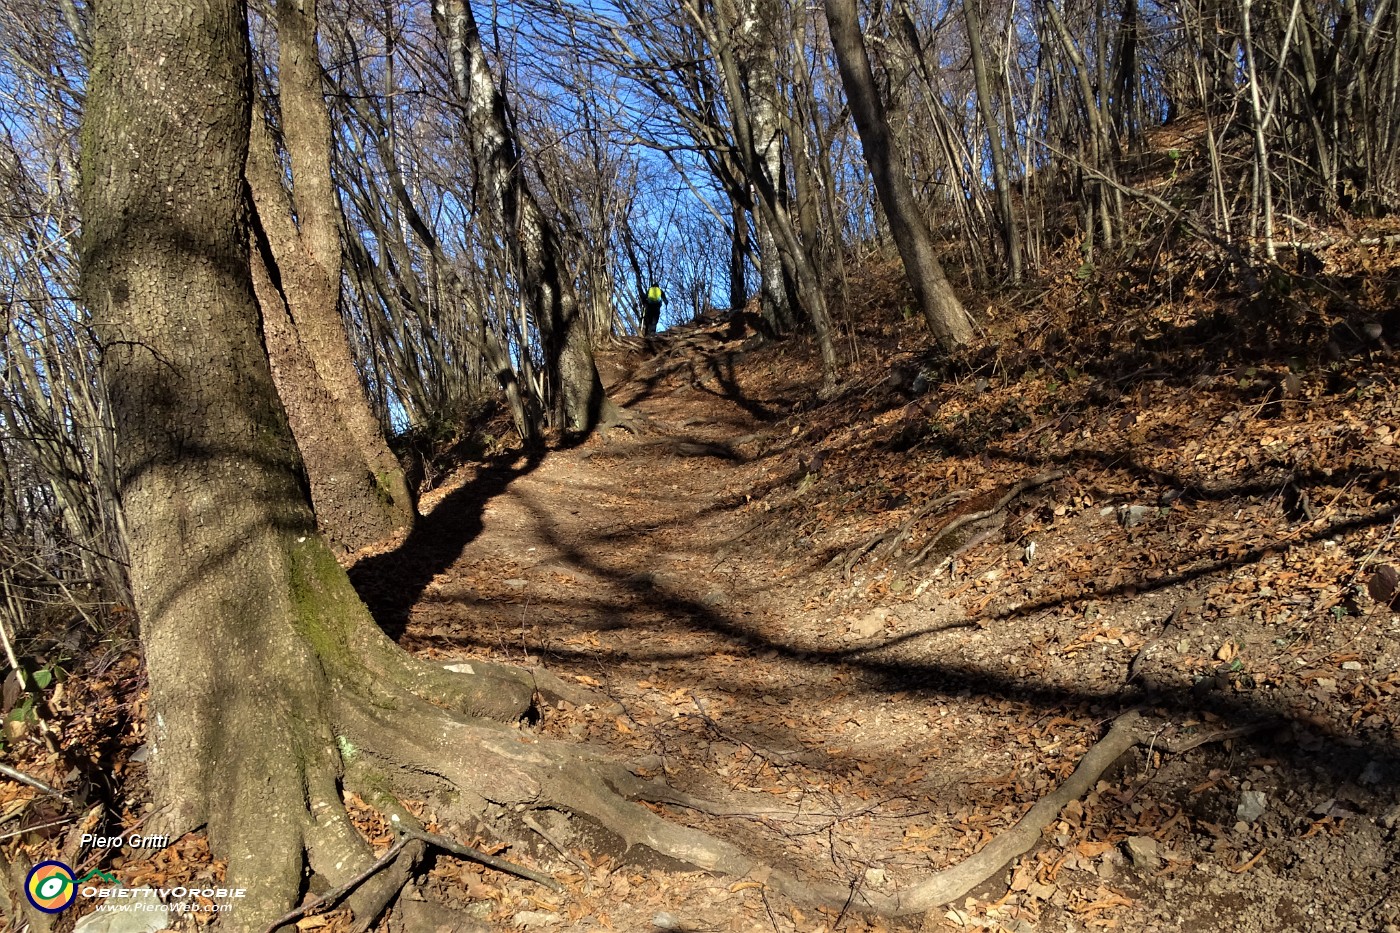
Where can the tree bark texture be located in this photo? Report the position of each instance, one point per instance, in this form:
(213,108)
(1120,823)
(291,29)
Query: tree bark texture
(946,317)
(358,486)
(579,398)
(255,643)
(209,476)
(738,255)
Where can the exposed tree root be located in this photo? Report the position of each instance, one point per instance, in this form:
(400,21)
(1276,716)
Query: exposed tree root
(343,706)
(615,416)
(333,897)
(892,539)
(503,770)
(388,725)
(393,741)
(969,518)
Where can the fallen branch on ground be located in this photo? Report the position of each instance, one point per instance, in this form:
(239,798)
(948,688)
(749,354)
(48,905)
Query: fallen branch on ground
(895,536)
(331,898)
(35,783)
(971,517)
(490,861)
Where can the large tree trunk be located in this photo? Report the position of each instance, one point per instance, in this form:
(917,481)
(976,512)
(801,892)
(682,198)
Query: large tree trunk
(579,398)
(257,649)
(941,308)
(217,522)
(357,484)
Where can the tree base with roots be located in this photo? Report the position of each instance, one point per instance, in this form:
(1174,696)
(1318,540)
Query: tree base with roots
(350,711)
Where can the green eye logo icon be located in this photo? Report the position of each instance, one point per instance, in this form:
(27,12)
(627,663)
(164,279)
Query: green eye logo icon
(50,887)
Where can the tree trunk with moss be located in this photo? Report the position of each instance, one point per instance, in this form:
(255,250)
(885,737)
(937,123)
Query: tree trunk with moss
(257,648)
(357,484)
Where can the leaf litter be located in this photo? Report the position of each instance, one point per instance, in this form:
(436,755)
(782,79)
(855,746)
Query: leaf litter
(1218,551)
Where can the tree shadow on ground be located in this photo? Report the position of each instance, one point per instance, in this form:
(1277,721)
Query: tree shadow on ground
(392,582)
(1281,733)
(719,365)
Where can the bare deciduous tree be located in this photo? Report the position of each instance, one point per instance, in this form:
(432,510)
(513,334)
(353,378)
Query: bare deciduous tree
(939,305)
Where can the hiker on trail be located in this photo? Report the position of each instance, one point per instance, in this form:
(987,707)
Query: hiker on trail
(651,309)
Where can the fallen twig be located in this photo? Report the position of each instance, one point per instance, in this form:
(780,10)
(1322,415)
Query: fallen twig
(895,536)
(548,837)
(968,545)
(490,861)
(956,881)
(1182,745)
(35,783)
(330,898)
(36,828)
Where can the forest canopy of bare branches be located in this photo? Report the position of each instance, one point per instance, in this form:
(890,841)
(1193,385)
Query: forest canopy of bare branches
(1022,129)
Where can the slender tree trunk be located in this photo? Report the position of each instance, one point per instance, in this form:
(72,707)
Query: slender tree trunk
(773,212)
(755,36)
(946,317)
(1263,175)
(1006,219)
(579,398)
(357,483)
(804,187)
(738,255)
(1100,154)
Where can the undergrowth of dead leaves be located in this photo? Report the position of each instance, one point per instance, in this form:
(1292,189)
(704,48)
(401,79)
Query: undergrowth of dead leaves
(1219,551)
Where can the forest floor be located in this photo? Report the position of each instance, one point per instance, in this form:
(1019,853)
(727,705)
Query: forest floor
(906,611)
(1203,557)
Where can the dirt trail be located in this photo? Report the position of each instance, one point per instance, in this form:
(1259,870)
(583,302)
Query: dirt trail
(906,733)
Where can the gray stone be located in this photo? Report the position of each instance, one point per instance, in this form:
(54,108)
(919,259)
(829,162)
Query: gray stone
(1130,516)
(1110,864)
(1252,805)
(870,624)
(1144,852)
(715,597)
